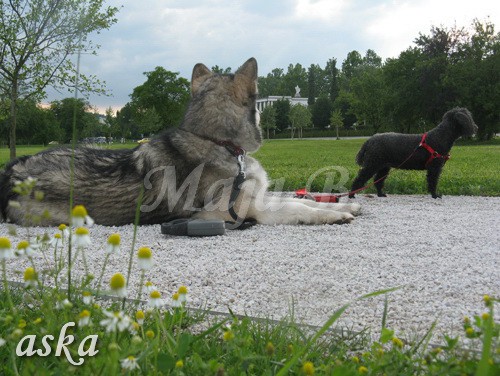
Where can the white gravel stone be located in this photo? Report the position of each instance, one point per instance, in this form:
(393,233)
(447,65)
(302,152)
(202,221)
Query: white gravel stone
(444,254)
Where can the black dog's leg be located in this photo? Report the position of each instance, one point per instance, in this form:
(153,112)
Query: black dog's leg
(363,176)
(433,173)
(379,178)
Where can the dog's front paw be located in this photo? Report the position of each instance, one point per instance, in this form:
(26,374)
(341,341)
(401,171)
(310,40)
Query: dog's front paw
(436,196)
(340,218)
(355,208)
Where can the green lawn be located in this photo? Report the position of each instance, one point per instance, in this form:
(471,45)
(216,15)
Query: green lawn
(472,170)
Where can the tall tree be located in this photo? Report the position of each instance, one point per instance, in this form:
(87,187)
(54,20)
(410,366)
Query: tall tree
(37,39)
(68,109)
(332,79)
(300,118)
(268,119)
(282,107)
(351,63)
(163,92)
(314,82)
(321,112)
(272,84)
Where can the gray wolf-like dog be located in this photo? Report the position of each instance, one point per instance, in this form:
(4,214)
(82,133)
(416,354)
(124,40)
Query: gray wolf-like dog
(384,151)
(184,172)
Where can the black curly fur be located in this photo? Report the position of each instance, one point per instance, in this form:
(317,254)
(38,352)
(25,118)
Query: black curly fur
(384,151)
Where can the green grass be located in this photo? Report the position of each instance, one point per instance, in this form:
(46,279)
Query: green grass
(472,169)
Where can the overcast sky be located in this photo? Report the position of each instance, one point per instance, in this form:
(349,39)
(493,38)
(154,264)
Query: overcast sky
(178,34)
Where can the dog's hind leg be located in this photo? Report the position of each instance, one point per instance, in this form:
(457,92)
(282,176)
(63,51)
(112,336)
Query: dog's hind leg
(364,174)
(275,211)
(379,179)
(433,173)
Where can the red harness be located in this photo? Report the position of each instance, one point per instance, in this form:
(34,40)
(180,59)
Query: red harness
(433,153)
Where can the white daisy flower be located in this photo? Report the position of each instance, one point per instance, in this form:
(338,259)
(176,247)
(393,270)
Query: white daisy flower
(155,300)
(145,258)
(113,244)
(81,238)
(24,249)
(87,298)
(176,303)
(2,342)
(150,287)
(5,248)
(139,316)
(80,217)
(30,277)
(129,363)
(116,321)
(182,294)
(84,318)
(118,285)
(56,241)
(64,230)
(64,304)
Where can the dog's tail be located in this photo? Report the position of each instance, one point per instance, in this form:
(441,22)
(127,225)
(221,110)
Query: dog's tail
(360,157)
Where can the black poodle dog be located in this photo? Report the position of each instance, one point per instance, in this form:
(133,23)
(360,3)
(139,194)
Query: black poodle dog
(428,152)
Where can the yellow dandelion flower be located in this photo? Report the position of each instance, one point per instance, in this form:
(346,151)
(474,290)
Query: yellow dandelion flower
(469,332)
(150,334)
(228,335)
(362,370)
(270,349)
(308,368)
(397,342)
(179,364)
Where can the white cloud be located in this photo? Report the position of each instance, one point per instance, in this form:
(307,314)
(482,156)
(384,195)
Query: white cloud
(394,25)
(326,10)
(179,34)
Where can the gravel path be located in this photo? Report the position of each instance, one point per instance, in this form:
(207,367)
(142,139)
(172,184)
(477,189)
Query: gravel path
(444,254)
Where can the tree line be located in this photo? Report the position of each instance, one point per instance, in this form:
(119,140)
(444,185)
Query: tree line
(446,68)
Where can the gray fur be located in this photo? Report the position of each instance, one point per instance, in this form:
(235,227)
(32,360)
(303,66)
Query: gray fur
(384,151)
(184,172)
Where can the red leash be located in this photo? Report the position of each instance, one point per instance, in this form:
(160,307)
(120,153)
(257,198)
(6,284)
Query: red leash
(328,197)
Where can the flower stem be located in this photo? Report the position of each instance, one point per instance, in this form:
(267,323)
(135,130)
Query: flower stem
(6,286)
(140,286)
(134,238)
(102,274)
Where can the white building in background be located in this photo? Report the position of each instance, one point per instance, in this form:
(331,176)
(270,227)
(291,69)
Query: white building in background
(269,101)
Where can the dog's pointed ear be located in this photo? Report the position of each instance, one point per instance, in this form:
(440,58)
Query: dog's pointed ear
(249,69)
(246,75)
(200,74)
